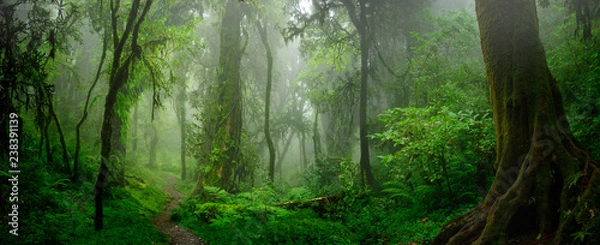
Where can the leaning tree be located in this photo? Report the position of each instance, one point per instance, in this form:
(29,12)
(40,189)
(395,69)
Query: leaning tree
(545,183)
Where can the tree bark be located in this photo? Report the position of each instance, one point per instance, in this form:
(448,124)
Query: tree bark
(544,182)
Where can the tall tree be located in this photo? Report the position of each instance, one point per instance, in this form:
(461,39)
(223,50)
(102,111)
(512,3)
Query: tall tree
(545,183)
(262,30)
(359,19)
(180,110)
(121,62)
(222,127)
(105,39)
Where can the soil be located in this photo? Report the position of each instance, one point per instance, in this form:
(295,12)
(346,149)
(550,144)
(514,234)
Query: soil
(162,222)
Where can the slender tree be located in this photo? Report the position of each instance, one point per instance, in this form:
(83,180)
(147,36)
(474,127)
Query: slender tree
(86,106)
(262,30)
(181,118)
(359,19)
(61,135)
(545,183)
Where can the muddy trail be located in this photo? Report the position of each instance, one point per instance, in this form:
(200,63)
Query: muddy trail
(162,222)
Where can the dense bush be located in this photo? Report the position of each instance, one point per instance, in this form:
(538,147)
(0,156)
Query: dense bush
(56,210)
(256,218)
(439,157)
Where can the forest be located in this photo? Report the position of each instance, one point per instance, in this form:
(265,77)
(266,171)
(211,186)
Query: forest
(300,122)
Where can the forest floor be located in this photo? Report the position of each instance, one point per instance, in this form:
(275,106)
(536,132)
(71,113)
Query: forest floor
(162,222)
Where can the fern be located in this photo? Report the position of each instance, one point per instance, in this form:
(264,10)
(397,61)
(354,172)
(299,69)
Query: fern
(580,235)
(572,180)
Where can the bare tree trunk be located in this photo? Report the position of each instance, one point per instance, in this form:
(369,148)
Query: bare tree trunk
(86,105)
(303,151)
(316,135)
(262,30)
(181,118)
(283,153)
(360,22)
(61,135)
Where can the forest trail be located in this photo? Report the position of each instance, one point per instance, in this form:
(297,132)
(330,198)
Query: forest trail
(162,222)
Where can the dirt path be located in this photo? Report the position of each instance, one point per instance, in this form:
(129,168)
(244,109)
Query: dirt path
(162,222)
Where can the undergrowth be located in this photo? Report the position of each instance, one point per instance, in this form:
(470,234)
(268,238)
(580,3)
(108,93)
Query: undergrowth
(260,217)
(56,210)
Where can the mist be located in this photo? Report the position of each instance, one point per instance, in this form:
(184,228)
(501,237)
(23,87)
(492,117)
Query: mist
(298,122)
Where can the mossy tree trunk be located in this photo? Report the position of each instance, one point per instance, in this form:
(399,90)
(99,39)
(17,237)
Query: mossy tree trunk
(223,125)
(118,78)
(545,183)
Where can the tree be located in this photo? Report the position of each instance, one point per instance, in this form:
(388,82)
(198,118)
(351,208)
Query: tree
(357,11)
(118,78)
(85,113)
(31,37)
(360,22)
(181,119)
(262,30)
(222,127)
(545,183)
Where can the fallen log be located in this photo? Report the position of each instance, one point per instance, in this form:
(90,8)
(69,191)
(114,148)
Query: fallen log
(321,205)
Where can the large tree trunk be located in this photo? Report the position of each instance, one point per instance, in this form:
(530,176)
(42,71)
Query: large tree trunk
(544,182)
(223,127)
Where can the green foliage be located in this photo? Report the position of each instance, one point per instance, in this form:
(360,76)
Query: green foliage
(436,153)
(55,210)
(331,175)
(447,68)
(254,218)
(576,66)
